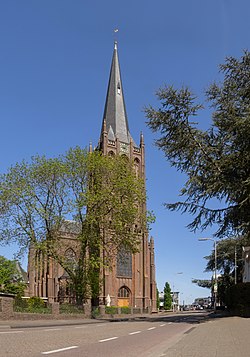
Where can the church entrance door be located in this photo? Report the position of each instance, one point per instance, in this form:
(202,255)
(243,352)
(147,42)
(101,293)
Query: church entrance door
(122,302)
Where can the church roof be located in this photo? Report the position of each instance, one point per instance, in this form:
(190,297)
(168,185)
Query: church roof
(115,111)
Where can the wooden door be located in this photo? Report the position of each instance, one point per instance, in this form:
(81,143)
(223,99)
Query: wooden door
(122,302)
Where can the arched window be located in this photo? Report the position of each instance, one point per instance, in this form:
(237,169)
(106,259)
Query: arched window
(125,157)
(70,258)
(123,292)
(111,153)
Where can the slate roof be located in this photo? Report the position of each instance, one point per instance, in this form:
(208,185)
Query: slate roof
(115,109)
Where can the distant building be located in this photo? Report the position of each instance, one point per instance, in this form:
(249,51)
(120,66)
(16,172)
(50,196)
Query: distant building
(175,300)
(203,302)
(132,282)
(161,300)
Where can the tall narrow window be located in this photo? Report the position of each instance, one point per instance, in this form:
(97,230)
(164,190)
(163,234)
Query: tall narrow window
(124,264)
(137,167)
(70,258)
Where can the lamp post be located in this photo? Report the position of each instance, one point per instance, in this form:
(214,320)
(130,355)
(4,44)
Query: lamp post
(235,264)
(215,268)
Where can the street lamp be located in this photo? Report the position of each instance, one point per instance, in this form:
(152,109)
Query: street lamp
(215,268)
(235,264)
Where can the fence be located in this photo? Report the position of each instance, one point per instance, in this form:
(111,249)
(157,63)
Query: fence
(11,308)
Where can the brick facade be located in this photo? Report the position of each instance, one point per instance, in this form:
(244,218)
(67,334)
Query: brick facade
(135,287)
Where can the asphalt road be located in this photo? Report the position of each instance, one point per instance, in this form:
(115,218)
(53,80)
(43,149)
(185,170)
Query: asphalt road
(149,337)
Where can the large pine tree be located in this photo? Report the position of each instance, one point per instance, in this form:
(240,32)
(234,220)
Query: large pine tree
(215,161)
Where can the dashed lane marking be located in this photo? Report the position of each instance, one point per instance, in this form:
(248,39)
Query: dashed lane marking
(151,328)
(59,350)
(163,325)
(4,332)
(134,333)
(52,329)
(108,339)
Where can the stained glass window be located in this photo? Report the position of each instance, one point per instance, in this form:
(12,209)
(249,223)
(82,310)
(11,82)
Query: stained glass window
(124,264)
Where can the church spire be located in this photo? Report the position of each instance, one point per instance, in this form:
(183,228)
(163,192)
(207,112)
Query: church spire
(115,114)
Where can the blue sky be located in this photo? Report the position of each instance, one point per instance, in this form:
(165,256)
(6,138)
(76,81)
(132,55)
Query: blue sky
(55,57)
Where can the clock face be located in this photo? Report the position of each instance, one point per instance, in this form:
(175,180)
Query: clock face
(124,147)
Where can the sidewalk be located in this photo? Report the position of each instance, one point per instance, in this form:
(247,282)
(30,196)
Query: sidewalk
(13,324)
(219,337)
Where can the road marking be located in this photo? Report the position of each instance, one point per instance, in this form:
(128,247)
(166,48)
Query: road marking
(10,332)
(151,328)
(80,326)
(52,329)
(108,339)
(59,350)
(134,333)
(170,323)
(163,325)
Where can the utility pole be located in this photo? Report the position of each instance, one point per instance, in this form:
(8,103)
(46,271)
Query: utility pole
(215,268)
(235,264)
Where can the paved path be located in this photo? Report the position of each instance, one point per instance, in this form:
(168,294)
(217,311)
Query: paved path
(219,337)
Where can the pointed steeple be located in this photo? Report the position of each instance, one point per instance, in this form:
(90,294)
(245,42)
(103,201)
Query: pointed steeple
(115,114)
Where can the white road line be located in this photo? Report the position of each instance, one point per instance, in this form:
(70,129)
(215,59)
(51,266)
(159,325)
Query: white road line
(52,329)
(163,325)
(59,350)
(169,323)
(134,333)
(151,328)
(10,332)
(108,339)
(80,326)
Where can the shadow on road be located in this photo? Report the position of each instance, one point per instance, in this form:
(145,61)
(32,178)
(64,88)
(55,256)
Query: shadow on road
(181,317)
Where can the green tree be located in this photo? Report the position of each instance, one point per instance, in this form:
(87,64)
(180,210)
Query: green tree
(167,297)
(96,197)
(11,281)
(157,299)
(229,257)
(215,161)
(226,251)
(203,283)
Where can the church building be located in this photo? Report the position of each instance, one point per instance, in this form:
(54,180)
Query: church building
(132,282)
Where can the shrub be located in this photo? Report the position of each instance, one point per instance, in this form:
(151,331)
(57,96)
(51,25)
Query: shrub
(238,298)
(111,310)
(95,312)
(20,303)
(35,302)
(31,305)
(125,310)
(70,309)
